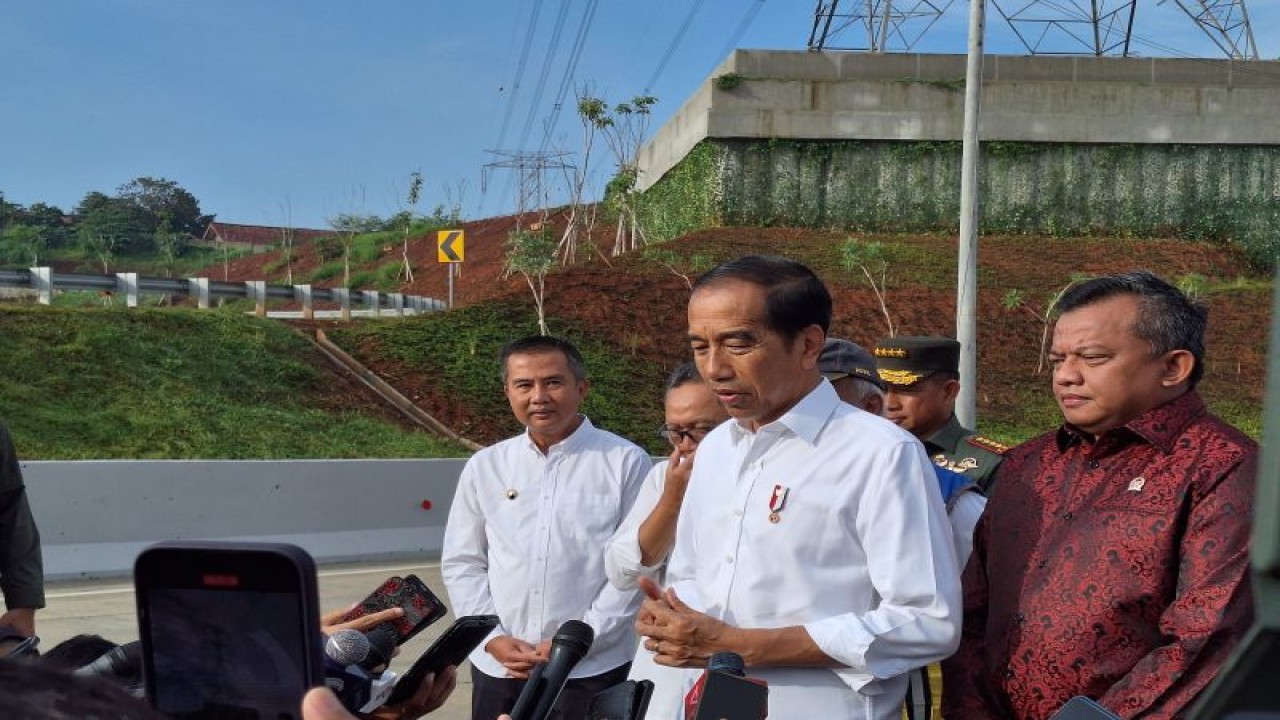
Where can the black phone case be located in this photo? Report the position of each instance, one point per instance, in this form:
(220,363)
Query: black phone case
(270,567)
(628,700)
(451,648)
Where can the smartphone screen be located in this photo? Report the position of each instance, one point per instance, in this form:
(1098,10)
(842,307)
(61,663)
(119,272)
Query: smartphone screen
(228,632)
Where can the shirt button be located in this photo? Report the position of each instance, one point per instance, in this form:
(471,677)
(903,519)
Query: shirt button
(1008,674)
(1019,618)
(737,512)
(1093,464)
(728,559)
(1067,515)
(1040,564)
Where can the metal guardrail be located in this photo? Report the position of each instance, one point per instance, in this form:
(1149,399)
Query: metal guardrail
(45,281)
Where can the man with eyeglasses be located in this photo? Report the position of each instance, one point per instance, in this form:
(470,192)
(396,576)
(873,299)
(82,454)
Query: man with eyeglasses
(643,541)
(923,377)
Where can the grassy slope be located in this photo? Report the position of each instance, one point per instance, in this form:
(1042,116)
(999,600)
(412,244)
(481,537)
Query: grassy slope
(173,383)
(457,351)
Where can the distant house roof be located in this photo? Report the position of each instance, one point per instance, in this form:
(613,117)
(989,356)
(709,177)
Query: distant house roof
(257,235)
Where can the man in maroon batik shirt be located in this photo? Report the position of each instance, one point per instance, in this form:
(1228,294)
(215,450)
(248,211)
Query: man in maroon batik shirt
(1112,560)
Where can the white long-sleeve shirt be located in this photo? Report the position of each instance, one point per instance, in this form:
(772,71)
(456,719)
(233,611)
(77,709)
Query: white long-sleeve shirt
(622,557)
(622,562)
(861,556)
(526,536)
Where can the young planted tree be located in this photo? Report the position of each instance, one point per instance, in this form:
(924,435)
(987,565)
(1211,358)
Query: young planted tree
(624,133)
(1015,299)
(415,192)
(169,243)
(594,115)
(28,240)
(532,253)
(872,259)
(102,246)
(349,225)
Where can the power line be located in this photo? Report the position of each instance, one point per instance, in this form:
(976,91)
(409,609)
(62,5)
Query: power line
(571,68)
(743,25)
(675,42)
(520,67)
(553,47)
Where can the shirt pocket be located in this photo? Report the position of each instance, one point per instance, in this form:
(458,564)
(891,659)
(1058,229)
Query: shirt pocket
(594,516)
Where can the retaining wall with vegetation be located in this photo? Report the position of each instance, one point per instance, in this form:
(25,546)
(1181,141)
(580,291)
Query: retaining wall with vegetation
(1212,192)
(1151,146)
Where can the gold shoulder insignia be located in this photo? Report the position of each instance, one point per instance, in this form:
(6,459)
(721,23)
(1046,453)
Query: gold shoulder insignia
(987,444)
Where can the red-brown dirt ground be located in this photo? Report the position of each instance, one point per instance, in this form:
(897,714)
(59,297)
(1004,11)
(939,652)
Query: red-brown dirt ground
(637,300)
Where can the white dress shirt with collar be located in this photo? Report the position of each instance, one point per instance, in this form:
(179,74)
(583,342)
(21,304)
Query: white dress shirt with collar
(861,553)
(622,562)
(622,557)
(526,536)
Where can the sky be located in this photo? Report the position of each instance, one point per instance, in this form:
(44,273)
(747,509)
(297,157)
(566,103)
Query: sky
(278,112)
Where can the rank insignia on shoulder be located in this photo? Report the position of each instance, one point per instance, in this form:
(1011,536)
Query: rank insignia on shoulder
(987,444)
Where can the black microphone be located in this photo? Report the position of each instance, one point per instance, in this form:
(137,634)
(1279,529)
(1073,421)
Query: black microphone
(570,643)
(121,664)
(382,645)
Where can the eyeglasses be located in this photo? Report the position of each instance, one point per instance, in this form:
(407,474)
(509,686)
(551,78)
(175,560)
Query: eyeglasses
(675,435)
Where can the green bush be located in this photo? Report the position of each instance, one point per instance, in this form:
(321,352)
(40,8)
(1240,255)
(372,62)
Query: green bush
(326,271)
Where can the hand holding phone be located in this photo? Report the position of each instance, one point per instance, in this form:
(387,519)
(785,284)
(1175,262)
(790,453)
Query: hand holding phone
(450,649)
(420,606)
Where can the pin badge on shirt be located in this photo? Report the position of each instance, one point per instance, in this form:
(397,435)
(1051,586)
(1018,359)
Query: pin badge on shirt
(777,501)
(1136,484)
(512,494)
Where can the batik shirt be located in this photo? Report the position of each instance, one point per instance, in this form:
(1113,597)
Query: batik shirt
(1115,568)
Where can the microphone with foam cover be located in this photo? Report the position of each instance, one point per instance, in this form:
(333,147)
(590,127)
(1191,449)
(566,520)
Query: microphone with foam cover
(347,647)
(569,645)
(343,652)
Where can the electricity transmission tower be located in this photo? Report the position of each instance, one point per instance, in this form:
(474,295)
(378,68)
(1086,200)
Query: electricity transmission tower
(873,25)
(1044,27)
(531,167)
(1226,22)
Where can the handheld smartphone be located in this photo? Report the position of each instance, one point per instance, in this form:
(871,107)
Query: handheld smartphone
(228,629)
(421,606)
(628,700)
(451,648)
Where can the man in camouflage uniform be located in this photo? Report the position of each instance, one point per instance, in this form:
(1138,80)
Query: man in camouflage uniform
(923,378)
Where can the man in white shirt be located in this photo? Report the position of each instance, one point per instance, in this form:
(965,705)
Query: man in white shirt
(527,529)
(643,542)
(812,540)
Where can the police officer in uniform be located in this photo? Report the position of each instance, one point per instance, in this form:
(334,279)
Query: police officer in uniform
(923,378)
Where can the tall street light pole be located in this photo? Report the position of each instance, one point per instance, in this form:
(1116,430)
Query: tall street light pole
(967,280)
